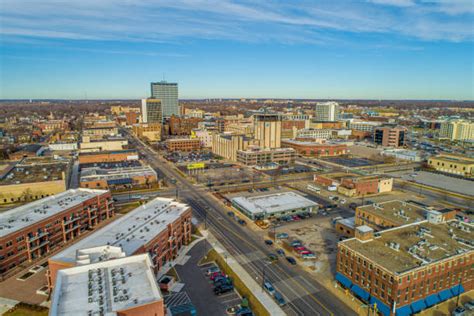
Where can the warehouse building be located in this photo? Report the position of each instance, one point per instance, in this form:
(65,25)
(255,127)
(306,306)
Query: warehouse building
(32,231)
(119,177)
(274,205)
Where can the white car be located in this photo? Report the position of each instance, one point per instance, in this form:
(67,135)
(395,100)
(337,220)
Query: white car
(342,201)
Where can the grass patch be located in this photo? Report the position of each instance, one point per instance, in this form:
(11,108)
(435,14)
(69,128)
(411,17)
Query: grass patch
(254,303)
(23,309)
(125,208)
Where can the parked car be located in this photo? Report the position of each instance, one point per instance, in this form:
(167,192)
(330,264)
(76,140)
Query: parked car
(212,270)
(291,260)
(217,274)
(269,287)
(343,201)
(469,306)
(282,236)
(353,206)
(295,243)
(268,242)
(223,289)
(309,256)
(281,252)
(222,281)
(242,222)
(272,257)
(459,311)
(279,298)
(231,214)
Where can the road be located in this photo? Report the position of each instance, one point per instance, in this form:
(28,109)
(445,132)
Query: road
(306,296)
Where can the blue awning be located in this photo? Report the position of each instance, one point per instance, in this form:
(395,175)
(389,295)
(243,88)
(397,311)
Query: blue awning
(120,181)
(432,300)
(418,306)
(357,290)
(403,311)
(381,307)
(457,289)
(445,294)
(343,280)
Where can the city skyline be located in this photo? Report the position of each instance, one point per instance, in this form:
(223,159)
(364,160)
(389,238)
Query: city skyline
(380,49)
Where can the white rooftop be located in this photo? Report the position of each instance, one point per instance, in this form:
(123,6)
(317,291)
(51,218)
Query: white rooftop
(107,286)
(364,229)
(130,231)
(20,217)
(97,173)
(273,203)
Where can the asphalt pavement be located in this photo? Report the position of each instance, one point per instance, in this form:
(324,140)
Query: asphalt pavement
(305,295)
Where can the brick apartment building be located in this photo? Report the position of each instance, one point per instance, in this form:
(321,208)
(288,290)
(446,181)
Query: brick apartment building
(31,231)
(316,149)
(183,144)
(390,136)
(159,228)
(108,156)
(404,270)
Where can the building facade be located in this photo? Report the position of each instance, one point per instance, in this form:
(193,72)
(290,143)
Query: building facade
(390,136)
(167,92)
(108,156)
(308,148)
(261,156)
(327,111)
(32,231)
(148,131)
(268,130)
(183,144)
(458,165)
(361,186)
(152,111)
(458,130)
(226,145)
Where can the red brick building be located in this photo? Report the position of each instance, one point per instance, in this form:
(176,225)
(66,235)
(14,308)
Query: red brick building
(404,270)
(131,117)
(183,125)
(31,231)
(315,149)
(108,156)
(287,124)
(160,228)
(183,144)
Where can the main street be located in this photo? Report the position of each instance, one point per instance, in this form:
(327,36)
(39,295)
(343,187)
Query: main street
(305,294)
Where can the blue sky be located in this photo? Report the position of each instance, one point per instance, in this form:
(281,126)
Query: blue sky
(378,49)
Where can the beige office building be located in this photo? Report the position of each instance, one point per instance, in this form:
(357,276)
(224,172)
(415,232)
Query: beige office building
(268,130)
(226,145)
(457,130)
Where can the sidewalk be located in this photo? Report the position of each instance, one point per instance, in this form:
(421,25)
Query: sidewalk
(268,303)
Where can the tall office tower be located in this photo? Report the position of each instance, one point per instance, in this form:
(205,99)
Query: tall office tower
(268,130)
(152,111)
(168,94)
(327,111)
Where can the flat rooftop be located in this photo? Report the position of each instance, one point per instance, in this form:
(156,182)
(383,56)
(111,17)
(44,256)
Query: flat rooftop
(273,203)
(20,217)
(418,244)
(457,159)
(108,152)
(97,173)
(35,170)
(130,231)
(108,286)
(396,211)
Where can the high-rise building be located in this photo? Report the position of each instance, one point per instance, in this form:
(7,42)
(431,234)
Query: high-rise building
(167,92)
(268,130)
(390,136)
(327,111)
(152,110)
(457,130)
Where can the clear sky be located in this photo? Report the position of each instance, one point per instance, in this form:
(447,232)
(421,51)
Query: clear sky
(378,49)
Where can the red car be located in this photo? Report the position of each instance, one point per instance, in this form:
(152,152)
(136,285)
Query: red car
(296,218)
(216,274)
(307,252)
(300,248)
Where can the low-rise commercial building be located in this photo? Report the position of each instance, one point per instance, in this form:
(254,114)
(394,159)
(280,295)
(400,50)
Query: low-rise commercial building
(148,131)
(226,145)
(63,146)
(204,136)
(116,285)
(402,154)
(32,231)
(317,149)
(118,177)
(404,270)
(183,144)
(274,205)
(108,156)
(385,215)
(33,178)
(159,228)
(453,164)
(106,144)
(100,131)
(314,133)
(362,186)
(259,157)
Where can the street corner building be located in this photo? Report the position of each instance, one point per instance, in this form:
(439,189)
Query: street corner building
(407,269)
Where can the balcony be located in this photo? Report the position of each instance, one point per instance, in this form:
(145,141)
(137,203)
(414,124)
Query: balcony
(42,244)
(71,221)
(71,229)
(42,234)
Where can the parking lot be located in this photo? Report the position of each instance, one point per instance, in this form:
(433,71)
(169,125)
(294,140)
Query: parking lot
(199,287)
(352,162)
